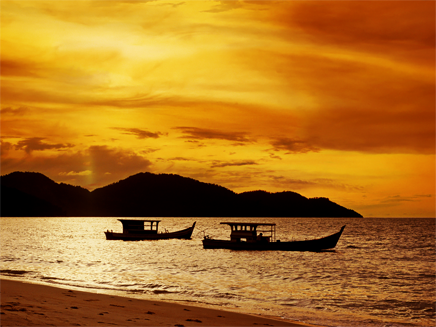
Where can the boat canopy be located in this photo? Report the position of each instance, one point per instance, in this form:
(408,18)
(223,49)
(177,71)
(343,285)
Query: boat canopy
(249,231)
(138,225)
(248,224)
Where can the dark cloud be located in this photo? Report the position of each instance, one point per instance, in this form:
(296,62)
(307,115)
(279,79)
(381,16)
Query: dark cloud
(139,133)
(423,195)
(221,164)
(37,144)
(293,145)
(274,156)
(202,133)
(138,101)
(182,159)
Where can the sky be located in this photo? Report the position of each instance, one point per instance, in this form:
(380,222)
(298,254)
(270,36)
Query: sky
(328,99)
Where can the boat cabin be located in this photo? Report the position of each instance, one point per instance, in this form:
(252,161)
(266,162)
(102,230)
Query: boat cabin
(252,232)
(136,226)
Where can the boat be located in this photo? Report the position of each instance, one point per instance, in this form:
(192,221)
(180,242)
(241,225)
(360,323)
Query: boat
(262,237)
(140,229)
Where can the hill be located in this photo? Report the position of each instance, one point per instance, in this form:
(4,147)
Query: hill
(70,200)
(153,195)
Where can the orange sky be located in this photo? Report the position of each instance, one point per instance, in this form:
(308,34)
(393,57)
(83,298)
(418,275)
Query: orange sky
(331,99)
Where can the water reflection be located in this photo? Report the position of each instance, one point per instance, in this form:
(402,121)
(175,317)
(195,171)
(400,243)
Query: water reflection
(378,271)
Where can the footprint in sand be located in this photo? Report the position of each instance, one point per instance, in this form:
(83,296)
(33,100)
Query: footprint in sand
(11,306)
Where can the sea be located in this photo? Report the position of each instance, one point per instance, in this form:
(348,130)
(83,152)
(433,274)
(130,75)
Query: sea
(381,273)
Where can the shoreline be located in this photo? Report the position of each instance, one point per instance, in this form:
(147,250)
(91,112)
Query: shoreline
(29,304)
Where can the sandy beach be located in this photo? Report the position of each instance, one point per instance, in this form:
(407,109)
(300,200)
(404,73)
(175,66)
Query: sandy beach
(25,304)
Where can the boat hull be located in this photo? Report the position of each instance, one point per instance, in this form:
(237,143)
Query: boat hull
(181,234)
(325,243)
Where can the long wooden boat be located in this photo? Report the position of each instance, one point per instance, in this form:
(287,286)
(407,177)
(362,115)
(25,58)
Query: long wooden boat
(246,236)
(139,229)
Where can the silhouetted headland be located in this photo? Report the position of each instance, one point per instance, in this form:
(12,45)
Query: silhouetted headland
(30,194)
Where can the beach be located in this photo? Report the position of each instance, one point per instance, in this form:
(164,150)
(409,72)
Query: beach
(27,304)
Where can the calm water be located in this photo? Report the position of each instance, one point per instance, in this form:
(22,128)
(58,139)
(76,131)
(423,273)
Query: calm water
(382,272)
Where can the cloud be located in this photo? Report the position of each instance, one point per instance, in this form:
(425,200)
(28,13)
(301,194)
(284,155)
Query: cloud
(394,28)
(20,111)
(116,162)
(91,13)
(393,199)
(182,159)
(221,164)
(423,195)
(291,183)
(373,107)
(297,184)
(37,144)
(94,167)
(174,5)
(13,67)
(74,173)
(365,72)
(195,133)
(223,6)
(396,119)
(293,145)
(5,147)
(139,133)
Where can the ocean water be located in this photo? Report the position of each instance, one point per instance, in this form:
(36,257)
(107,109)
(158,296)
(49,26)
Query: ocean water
(381,273)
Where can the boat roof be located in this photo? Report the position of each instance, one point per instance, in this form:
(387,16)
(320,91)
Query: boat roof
(144,220)
(247,224)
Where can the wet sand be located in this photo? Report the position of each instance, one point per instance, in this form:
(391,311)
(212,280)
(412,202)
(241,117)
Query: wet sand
(25,304)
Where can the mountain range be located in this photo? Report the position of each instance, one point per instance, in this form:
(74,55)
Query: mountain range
(31,194)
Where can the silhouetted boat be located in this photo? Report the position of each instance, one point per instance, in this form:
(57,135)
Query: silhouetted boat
(244,236)
(135,230)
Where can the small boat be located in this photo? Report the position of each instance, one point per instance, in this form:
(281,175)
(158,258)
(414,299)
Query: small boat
(138,230)
(249,236)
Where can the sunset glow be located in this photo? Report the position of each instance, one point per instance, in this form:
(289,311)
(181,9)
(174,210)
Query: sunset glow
(327,99)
